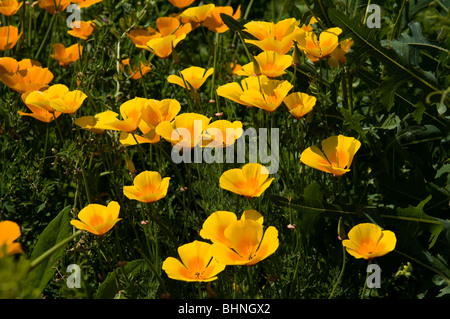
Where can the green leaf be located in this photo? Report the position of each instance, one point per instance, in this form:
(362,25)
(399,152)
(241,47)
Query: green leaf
(110,287)
(366,40)
(419,214)
(56,231)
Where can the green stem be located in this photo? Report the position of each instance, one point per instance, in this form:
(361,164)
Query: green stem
(49,252)
(340,274)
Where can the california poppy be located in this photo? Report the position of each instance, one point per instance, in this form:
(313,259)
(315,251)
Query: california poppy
(25,75)
(269,95)
(9,232)
(337,156)
(193,76)
(368,240)
(148,187)
(97,219)
(8,37)
(185,131)
(162,46)
(249,181)
(85,3)
(180,4)
(214,21)
(269,63)
(82,29)
(9,7)
(135,72)
(222,133)
(54,6)
(197,263)
(240,242)
(198,14)
(299,104)
(67,56)
(317,48)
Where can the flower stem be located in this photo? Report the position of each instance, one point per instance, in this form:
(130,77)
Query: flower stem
(340,274)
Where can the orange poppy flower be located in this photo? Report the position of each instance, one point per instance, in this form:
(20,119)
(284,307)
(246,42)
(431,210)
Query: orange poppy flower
(368,240)
(97,219)
(234,90)
(54,6)
(83,31)
(141,36)
(162,46)
(215,23)
(222,133)
(337,57)
(197,263)
(239,241)
(25,75)
(269,95)
(337,156)
(198,14)
(249,181)
(9,232)
(278,37)
(9,7)
(170,25)
(136,72)
(85,3)
(56,98)
(180,4)
(8,37)
(90,123)
(193,76)
(67,56)
(148,187)
(315,48)
(269,63)
(299,104)
(185,131)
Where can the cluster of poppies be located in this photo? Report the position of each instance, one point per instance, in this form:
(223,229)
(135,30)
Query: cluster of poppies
(229,240)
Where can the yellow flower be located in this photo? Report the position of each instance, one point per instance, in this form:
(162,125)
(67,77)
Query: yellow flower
(39,113)
(299,104)
(9,7)
(185,131)
(67,56)
(25,75)
(180,4)
(197,263)
(97,219)
(368,241)
(233,91)
(269,63)
(197,14)
(269,95)
(148,187)
(90,123)
(193,76)
(54,6)
(222,133)
(141,36)
(214,22)
(85,3)
(337,156)
(278,37)
(317,49)
(170,25)
(162,46)
(83,31)
(338,55)
(214,226)
(131,112)
(56,98)
(136,72)
(9,232)
(250,181)
(8,37)
(240,242)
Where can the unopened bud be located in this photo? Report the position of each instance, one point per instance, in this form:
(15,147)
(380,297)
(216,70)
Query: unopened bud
(341,230)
